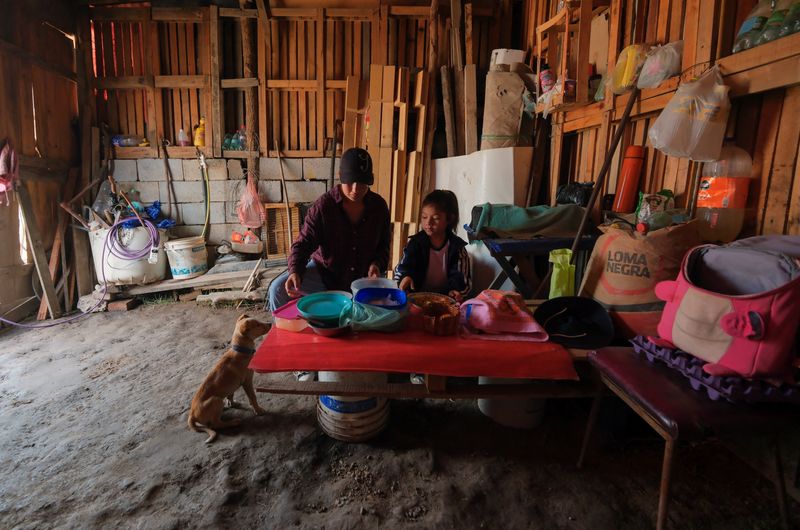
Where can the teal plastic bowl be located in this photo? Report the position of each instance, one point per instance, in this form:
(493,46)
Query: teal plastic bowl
(323,308)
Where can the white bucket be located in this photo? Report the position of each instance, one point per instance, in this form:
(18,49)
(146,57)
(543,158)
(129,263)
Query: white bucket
(519,413)
(352,419)
(188,257)
(120,271)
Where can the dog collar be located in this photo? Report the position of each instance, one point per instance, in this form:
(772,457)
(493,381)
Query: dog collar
(242,349)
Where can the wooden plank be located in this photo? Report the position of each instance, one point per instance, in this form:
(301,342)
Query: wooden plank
(780,184)
(470,109)
(413,183)
(181,82)
(458,109)
(293,142)
(449,121)
(321,73)
(350,112)
(204,281)
(387,107)
(768,126)
(399,172)
(37,249)
(302,119)
(384,177)
(468,44)
(108,14)
(373,118)
(785,72)
(793,221)
(178,14)
(232,12)
(242,83)
(382,57)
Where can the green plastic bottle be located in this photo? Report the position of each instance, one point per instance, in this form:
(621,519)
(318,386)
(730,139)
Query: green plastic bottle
(774,23)
(791,24)
(752,26)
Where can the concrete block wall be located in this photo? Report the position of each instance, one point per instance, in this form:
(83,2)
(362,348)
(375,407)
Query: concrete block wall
(306,179)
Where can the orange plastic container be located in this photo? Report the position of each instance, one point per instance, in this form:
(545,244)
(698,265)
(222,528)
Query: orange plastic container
(628,183)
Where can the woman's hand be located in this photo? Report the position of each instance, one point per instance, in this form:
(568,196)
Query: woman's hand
(374,271)
(455,295)
(407,284)
(293,283)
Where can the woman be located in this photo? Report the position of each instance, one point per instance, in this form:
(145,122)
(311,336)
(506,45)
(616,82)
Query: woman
(346,233)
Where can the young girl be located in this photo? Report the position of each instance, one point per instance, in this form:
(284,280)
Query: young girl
(435,259)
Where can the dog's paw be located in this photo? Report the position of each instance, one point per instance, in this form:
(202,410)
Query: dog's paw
(259,411)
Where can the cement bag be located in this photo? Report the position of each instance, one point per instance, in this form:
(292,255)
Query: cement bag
(626,266)
(692,125)
(502,112)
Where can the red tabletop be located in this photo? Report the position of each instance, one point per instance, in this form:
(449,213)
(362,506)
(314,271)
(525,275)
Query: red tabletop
(412,351)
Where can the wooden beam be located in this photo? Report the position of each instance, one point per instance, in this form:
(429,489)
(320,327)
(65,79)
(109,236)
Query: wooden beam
(26,56)
(470,109)
(178,14)
(247,82)
(116,14)
(350,112)
(37,249)
(449,122)
(232,12)
(181,81)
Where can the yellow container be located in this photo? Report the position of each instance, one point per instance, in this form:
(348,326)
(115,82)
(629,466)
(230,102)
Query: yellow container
(200,134)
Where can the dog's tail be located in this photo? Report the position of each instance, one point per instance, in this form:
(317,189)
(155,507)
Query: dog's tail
(199,427)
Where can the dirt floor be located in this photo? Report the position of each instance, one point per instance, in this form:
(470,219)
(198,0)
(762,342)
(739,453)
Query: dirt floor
(94,435)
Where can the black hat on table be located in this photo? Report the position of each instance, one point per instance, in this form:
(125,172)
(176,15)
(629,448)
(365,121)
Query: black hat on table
(576,322)
(356,166)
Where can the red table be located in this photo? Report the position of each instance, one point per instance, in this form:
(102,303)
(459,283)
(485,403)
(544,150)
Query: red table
(412,351)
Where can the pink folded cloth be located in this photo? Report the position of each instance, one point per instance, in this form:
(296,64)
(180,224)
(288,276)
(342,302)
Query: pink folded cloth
(500,315)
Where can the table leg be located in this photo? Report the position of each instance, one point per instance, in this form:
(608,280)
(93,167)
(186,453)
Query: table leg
(593,413)
(666,476)
(780,486)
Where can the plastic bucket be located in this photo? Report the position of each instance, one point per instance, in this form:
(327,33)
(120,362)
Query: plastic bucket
(518,413)
(120,271)
(188,257)
(363,283)
(352,419)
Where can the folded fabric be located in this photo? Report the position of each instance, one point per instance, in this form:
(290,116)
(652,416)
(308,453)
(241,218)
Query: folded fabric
(514,222)
(498,314)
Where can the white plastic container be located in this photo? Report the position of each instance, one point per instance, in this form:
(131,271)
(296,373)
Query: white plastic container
(519,413)
(188,257)
(363,283)
(352,418)
(120,271)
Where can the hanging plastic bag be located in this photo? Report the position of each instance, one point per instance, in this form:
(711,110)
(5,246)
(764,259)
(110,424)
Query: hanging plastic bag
(562,279)
(662,63)
(546,99)
(366,317)
(626,71)
(692,125)
(250,210)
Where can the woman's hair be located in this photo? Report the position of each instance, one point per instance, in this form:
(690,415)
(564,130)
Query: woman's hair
(444,201)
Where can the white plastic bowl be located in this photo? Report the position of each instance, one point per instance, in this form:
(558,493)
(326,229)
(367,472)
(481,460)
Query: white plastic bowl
(363,283)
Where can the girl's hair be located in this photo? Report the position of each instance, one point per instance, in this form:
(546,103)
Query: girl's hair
(444,201)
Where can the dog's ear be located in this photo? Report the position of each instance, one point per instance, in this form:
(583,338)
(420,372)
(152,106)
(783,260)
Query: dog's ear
(242,316)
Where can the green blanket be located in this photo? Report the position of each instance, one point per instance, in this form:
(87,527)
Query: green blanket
(515,222)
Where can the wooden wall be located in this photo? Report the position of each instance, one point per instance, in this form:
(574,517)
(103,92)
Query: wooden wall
(38,103)
(764,95)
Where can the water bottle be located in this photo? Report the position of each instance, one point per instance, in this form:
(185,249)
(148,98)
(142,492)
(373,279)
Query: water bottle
(774,23)
(791,24)
(752,26)
(722,195)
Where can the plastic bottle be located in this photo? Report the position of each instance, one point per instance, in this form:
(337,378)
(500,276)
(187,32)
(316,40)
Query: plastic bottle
(200,134)
(774,23)
(791,24)
(752,26)
(226,143)
(627,192)
(183,139)
(722,196)
(546,79)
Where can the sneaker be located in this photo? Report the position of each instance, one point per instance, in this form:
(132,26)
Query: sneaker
(305,376)
(417,379)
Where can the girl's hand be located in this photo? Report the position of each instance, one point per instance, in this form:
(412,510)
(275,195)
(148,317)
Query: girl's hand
(407,284)
(455,295)
(293,283)
(374,271)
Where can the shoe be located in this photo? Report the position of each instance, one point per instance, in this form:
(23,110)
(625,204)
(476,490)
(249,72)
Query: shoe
(417,379)
(305,376)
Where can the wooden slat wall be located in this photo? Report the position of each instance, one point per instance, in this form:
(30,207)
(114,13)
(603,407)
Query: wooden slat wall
(762,122)
(36,78)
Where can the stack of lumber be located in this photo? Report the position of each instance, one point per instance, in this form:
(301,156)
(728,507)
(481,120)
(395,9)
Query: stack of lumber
(386,115)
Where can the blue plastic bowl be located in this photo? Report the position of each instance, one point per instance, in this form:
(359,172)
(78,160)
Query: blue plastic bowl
(323,308)
(368,294)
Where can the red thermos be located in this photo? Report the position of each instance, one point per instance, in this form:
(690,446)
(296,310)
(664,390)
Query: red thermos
(628,182)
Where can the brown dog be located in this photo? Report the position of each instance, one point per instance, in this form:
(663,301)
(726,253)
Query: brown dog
(230,373)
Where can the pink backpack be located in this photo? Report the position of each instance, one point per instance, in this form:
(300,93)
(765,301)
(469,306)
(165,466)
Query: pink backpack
(736,307)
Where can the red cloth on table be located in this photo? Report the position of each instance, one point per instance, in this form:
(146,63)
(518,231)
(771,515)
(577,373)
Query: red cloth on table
(411,351)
